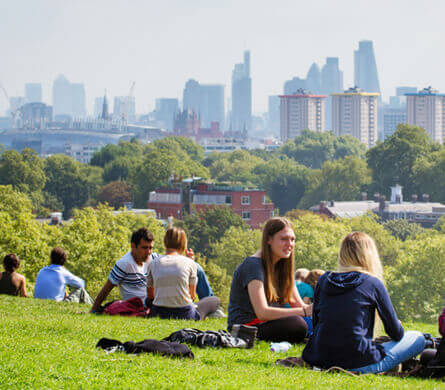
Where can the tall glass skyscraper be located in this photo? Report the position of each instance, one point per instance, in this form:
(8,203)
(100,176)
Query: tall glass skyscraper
(242,95)
(365,68)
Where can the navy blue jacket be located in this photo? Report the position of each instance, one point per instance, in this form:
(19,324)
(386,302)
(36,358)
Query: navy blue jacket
(343,317)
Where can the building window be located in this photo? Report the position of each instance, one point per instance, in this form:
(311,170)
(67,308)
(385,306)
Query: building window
(245,200)
(228,199)
(264,199)
(246,215)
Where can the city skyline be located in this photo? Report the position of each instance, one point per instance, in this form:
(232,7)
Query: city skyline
(141,41)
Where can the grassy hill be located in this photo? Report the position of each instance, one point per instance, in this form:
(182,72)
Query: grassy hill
(52,345)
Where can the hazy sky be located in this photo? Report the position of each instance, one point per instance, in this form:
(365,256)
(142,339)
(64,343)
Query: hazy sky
(161,44)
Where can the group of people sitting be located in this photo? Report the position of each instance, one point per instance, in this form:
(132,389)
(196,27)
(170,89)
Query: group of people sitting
(337,310)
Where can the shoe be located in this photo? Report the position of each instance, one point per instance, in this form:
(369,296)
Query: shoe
(245,332)
(217,314)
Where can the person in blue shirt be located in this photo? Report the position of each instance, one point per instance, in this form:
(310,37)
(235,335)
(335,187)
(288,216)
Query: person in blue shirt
(52,280)
(345,307)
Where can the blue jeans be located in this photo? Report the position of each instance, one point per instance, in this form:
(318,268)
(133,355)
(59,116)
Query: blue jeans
(411,344)
(203,288)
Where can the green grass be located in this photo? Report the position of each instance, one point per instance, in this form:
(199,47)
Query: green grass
(52,345)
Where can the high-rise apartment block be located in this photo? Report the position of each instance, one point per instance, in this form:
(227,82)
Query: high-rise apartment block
(365,68)
(426,109)
(68,98)
(242,96)
(33,93)
(206,100)
(355,113)
(299,112)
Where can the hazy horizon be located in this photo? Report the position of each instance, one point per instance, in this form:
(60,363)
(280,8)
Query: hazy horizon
(160,45)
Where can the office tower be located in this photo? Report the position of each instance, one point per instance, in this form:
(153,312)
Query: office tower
(33,93)
(273,115)
(331,82)
(355,113)
(292,86)
(78,107)
(206,100)
(68,98)
(166,110)
(124,108)
(426,109)
(98,105)
(105,113)
(299,112)
(313,79)
(242,96)
(365,68)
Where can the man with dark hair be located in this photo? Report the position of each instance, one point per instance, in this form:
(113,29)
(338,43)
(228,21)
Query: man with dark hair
(52,280)
(130,272)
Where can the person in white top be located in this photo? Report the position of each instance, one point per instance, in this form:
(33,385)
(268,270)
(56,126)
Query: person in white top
(130,272)
(172,279)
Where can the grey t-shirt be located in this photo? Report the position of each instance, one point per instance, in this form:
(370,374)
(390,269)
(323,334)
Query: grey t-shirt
(240,308)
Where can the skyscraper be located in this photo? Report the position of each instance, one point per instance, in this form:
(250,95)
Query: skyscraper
(313,79)
(331,82)
(124,108)
(68,98)
(355,113)
(292,86)
(301,111)
(273,115)
(426,109)
(206,100)
(166,110)
(242,96)
(33,92)
(365,68)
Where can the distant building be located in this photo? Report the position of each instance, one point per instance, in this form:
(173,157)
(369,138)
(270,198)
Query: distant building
(241,118)
(331,82)
(33,92)
(98,106)
(426,109)
(15,102)
(273,115)
(365,68)
(82,152)
(313,79)
(124,108)
(206,100)
(423,212)
(68,98)
(222,145)
(292,86)
(355,113)
(392,117)
(166,110)
(186,124)
(299,112)
(194,196)
(34,116)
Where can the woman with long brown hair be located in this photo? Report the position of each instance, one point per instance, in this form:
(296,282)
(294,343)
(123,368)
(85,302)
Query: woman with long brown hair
(264,282)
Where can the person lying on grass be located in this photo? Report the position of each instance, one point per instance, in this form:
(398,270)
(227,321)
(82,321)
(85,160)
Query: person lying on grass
(344,314)
(264,282)
(11,282)
(172,279)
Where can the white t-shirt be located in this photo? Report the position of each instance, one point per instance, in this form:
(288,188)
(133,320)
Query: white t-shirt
(130,277)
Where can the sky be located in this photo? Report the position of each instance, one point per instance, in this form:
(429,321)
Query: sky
(108,44)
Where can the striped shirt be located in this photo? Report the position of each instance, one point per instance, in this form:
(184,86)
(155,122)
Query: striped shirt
(130,277)
(171,276)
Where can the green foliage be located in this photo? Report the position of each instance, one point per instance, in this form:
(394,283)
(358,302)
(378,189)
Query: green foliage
(394,159)
(340,180)
(402,229)
(416,284)
(429,175)
(234,246)
(313,149)
(115,194)
(207,226)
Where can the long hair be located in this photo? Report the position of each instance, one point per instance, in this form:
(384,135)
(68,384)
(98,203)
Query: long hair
(279,277)
(359,253)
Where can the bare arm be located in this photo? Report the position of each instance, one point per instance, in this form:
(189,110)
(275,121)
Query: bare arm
(296,301)
(103,293)
(150,293)
(262,310)
(23,288)
(192,291)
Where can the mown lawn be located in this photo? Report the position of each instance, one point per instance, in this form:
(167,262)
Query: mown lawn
(52,345)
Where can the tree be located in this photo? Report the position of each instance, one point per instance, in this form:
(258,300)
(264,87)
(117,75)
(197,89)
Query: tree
(393,160)
(119,168)
(204,227)
(115,194)
(429,175)
(341,180)
(402,229)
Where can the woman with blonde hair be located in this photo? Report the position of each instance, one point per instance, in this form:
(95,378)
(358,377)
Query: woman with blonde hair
(344,313)
(264,282)
(172,280)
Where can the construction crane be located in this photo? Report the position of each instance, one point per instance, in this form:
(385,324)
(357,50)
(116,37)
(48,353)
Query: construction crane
(13,112)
